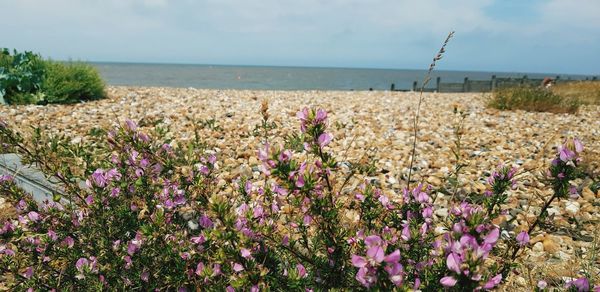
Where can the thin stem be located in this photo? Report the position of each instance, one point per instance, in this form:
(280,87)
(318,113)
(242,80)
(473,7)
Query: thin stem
(418,112)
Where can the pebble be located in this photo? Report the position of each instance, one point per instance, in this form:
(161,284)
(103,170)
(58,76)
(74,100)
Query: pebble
(572,207)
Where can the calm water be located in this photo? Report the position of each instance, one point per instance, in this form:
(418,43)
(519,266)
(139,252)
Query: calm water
(279,78)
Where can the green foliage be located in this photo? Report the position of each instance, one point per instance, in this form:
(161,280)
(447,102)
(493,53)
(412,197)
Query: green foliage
(72,82)
(26,78)
(532,99)
(21,76)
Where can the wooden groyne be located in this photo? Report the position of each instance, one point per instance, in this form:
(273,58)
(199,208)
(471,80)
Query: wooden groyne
(469,85)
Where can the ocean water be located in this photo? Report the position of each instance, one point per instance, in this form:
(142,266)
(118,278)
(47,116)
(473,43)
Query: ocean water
(281,78)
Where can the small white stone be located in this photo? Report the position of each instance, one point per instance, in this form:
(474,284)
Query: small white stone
(192,225)
(441,212)
(553,211)
(440,230)
(538,246)
(572,207)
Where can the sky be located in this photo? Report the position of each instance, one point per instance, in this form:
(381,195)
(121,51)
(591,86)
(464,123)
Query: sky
(545,36)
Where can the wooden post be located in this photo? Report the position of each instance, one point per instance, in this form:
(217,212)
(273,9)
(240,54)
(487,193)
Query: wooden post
(393,87)
(414,86)
(494,82)
(438,80)
(466,85)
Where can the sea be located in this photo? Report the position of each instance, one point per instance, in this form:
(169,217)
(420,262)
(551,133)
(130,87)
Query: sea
(285,78)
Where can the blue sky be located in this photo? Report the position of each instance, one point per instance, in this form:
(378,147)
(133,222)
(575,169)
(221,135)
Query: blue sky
(553,36)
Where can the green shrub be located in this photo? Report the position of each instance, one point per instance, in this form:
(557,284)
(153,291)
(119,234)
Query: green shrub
(532,99)
(25,78)
(21,76)
(72,82)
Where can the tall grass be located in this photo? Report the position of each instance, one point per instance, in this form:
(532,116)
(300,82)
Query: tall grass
(533,99)
(588,92)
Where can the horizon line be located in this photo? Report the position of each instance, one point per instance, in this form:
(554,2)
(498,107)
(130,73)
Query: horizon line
(331,67)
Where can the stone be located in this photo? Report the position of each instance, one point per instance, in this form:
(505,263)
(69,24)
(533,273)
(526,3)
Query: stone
(572,207)
(550,246)
(441,212)
(538,247)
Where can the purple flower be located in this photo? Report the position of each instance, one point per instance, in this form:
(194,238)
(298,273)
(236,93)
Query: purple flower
(28,273)
(493,282)
(81,263)
(453,263)
(492,237)
(359,261)
(582,284)
(395,273)
(324,139)
(52,235)
(394,257)
(205,222)
(237,267)
(321,116)
(145,276)
(33,216)
(301,271)
(566,154)
(523,238)
(199,268)
(98,178)
(245,253)
(130,125)
(366,277)
(89,200)
(542,284)
(448,281)
(69,241)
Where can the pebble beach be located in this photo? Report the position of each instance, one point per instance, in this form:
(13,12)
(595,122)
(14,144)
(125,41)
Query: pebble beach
(376,127)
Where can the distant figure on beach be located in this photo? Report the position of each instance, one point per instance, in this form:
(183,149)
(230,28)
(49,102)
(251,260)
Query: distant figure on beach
(547,82)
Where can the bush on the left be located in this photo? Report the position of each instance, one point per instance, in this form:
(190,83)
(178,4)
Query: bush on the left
(26,78)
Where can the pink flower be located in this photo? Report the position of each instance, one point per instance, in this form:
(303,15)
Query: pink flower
(130,125)
(199,268)
(238,267)
(375,255)
(69,241)
(205,222)
(366,277)
(33,216)
(359,261)
(566,154)
(394,257)
(453,263)
(245,253)
(28,273)
(145,276)
(448,281)
(542,284)
(98,178)
(301,271)
(492,237)
(493,282)
(523,238)
(324,139)
(395,273)
(321,116)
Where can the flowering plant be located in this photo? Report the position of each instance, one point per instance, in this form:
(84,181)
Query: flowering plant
(154,215)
